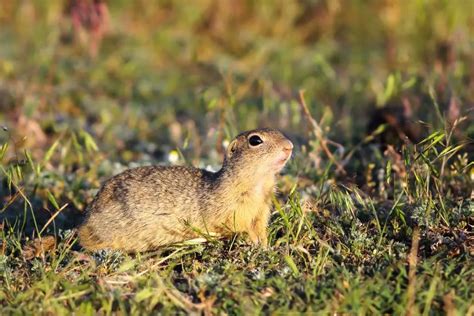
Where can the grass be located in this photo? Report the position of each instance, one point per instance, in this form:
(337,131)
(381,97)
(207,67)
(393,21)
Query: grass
(366,221)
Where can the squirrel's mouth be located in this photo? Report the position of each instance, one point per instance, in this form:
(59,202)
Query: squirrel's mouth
(281,161)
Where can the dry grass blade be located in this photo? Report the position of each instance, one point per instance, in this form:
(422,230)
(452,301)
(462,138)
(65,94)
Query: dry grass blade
(180,300)
(412,262)
(318,132)
(52,218)
(449,304)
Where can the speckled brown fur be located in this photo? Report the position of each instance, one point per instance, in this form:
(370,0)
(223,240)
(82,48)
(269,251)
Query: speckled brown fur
(148,207)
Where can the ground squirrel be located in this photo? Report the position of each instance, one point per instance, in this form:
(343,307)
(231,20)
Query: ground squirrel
(148,207)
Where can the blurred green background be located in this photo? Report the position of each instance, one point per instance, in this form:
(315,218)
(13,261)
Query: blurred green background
(87,91)
(188,74)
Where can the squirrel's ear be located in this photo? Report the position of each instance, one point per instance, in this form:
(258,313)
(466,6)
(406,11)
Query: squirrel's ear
(231,148)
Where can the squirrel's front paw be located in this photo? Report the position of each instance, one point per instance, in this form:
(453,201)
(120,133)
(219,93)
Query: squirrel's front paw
(259,240)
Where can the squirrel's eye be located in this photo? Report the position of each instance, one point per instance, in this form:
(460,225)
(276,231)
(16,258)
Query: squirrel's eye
(255,140)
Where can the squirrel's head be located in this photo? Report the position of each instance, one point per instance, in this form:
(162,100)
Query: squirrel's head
(260,151)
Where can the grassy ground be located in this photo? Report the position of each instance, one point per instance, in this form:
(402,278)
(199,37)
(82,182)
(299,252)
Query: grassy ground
(374,212)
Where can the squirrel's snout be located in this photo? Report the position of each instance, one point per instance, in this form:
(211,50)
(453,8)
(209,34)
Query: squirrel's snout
(288,148)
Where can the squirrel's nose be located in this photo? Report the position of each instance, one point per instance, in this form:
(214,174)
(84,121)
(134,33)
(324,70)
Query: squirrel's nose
(288,148)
